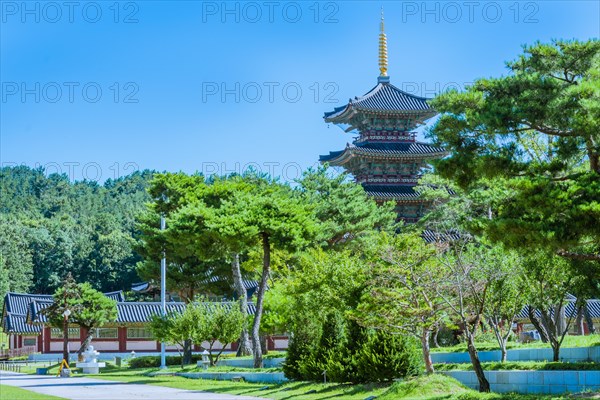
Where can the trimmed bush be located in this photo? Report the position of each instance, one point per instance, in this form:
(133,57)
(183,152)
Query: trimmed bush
(350,353)
(384,357)
(154,361)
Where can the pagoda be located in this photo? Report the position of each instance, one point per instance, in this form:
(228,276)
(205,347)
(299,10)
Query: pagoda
(386,158)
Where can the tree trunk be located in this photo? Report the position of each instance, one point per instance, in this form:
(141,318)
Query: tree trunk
(484,385)
(555,351)
(425,334)
(264,346)
(503,351)
(187,352)
(588,320)
(245,347)
(579,320)
(496,324)
(435,337)
(85,344)
(538,325)
(258,361)
(561,320)
(551,328)
(66,340)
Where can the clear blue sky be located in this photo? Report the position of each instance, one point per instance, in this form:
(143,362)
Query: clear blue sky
(213,86)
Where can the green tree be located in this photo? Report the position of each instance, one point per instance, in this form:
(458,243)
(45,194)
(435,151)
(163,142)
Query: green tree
(536,132)
(506,285)
(194,252)
(551,279)
(92,309)
(89,309)
(401,297)
(272,215)
(200,321)
(66,226)
(176,328)
(463,287)
(66,300)
(322,288)
(218,322)
(189,271)
(16,262)
(348,217)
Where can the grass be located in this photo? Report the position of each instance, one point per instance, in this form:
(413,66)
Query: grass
(293,390)
(15,393)
(570,341)
(437,387)
(523,365)
(433,387)
(193,368)
(270,354)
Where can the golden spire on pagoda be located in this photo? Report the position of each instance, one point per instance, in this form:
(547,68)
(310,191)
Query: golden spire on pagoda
(383,61)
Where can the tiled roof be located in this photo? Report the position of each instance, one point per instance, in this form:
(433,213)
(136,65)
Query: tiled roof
(142,287)
(432,237)
(14,313)
(383,97)
(140,312)
(127,312)
(391,191)
(17,305)
(393,150)
(593,307)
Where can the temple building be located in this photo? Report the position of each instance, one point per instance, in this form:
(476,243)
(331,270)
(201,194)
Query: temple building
(386,158)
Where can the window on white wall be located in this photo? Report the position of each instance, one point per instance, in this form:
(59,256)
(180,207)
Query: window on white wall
(139,333)
(57,333)
(106,333)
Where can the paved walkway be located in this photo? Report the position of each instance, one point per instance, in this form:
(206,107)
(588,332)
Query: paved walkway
(97,389)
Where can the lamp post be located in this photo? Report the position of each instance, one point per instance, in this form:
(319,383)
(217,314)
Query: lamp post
(66,314)
(163,293)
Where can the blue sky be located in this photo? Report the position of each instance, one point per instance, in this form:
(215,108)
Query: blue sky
(99,89)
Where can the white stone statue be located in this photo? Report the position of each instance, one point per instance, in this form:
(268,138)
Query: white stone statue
(90,364)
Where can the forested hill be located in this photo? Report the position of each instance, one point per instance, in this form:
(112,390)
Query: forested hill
(51,226)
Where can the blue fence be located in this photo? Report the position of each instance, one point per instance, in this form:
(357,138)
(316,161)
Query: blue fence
(532,382)
(575,354)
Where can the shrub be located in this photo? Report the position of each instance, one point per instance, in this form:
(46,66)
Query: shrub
(350,353)
(154,361)
(384,357)
(446,337)
(485,337)
(298,348)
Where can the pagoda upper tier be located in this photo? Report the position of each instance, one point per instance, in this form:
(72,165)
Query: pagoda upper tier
(384,107)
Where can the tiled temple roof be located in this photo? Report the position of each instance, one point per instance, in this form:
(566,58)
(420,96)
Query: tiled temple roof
(593,308)
(433,237)
(392,192)
(127,312)
(399,150)
(384,97)
(142,287)
(17,305)
(21,314)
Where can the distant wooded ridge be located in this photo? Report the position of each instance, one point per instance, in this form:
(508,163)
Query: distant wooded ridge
(51,226)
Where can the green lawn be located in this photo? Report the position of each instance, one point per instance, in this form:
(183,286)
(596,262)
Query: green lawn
(434,387)
(15,393)
(570,341)
(295,390)
(437,387)
(523,365)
